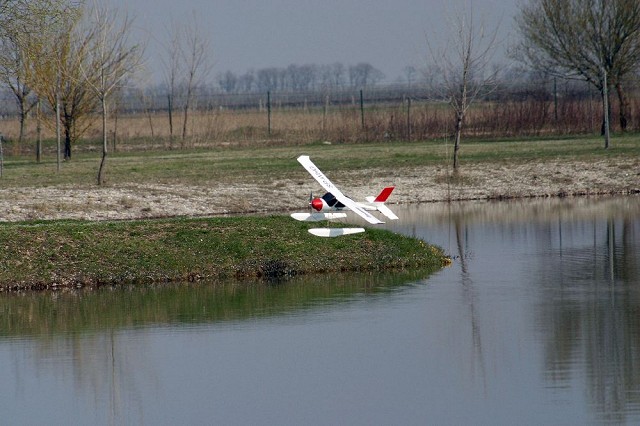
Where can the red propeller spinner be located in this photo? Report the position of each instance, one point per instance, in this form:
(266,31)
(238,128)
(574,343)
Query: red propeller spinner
(317,204)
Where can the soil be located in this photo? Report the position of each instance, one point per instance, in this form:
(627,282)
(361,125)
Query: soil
(422,184)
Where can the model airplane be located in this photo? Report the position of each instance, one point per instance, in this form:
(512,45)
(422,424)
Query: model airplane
(332,204)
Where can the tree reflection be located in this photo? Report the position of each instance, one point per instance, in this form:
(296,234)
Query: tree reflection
(589,278)
(86,336)
(592,321)
(470,293)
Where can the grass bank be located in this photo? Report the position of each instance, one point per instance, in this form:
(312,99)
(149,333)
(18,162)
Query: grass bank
(41,255)
(261,163)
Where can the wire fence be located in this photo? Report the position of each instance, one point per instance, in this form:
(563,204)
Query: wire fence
(382,112)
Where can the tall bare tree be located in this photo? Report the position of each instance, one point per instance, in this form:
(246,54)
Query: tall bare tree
(111,59)
(187,64)
(198,65)
(172,65)
(13,72)
(596,41)
(463,65)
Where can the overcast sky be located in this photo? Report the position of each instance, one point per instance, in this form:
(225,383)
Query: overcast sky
(254,34)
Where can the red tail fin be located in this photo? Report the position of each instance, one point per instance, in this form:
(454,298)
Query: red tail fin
(384,194)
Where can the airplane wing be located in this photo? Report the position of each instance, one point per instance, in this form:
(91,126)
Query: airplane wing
(334,232)
(330,187)
(317,217)
(385,210)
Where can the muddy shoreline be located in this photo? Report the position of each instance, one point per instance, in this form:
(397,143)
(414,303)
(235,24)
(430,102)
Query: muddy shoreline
(413,185)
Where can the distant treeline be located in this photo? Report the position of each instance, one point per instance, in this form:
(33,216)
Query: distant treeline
(301,78)
(336,84)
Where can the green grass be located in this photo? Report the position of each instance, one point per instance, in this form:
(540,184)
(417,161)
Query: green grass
(72,253)
(256,163)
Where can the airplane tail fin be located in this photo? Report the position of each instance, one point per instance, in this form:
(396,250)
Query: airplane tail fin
(377,203)
(384,194)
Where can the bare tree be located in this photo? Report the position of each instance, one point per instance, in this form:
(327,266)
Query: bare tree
(172,64)
(338,74)
(13,72)
(597,41)
(364,74)
(410,74)
(267,79)
(463,66)
(111,59)
(228,82)
(198,65)
(246,81)
(186,66)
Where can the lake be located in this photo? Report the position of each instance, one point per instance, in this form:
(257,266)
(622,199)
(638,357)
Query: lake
(537,321)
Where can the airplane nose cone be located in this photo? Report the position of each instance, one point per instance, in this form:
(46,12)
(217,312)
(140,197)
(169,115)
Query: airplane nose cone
(316,203)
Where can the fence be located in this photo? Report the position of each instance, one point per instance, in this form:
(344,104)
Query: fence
(394,112)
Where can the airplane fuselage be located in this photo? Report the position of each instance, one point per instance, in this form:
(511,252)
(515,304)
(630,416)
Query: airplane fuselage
(327,203)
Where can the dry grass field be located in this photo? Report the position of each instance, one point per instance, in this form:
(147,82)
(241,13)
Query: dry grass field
(345,123)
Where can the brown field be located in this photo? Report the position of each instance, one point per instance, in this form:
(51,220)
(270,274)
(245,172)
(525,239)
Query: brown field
(336,124)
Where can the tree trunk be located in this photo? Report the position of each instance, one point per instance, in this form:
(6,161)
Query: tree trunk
(170,107)
(57,131)
(67,141)
(184,123)
(103,161)
(115,130)
(606,112)
(624,106)
(23,119)
(187,105)
(39,132)
(101,172)
(23,110)
(456,146)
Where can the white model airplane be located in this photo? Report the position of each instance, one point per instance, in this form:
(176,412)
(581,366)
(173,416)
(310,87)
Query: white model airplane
(331,204)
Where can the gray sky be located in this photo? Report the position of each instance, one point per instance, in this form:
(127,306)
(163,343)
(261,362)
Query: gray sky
(256,34)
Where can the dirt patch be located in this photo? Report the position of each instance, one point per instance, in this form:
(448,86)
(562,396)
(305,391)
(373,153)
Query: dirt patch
(421,184)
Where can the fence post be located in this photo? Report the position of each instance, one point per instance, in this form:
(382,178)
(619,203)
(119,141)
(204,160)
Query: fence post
(269,112)
(362,109)
(325,107)
(1,155)
(409,119)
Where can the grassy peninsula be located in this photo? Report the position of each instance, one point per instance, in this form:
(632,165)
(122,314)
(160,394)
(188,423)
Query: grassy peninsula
(58,229)
(54,254)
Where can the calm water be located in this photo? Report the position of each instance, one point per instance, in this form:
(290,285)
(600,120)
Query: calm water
(536,322)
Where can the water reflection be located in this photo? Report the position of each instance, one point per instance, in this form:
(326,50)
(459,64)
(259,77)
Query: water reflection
(590,314)
(74,312)
(98,342)
(535,322)
(582,258)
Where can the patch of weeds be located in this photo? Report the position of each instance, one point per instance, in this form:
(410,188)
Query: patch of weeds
(126,202)
(274,270)
(455,178)
(562,179)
